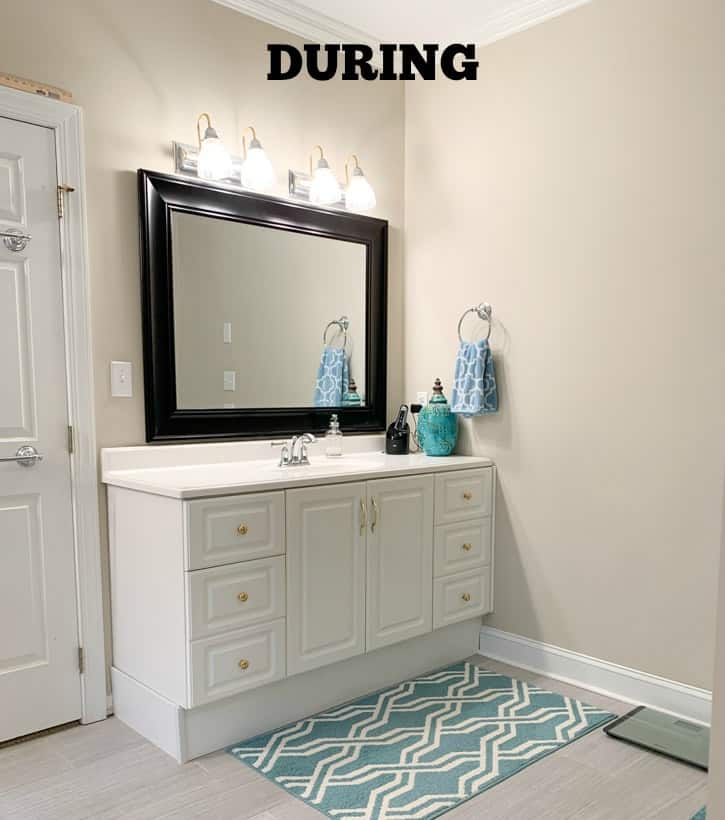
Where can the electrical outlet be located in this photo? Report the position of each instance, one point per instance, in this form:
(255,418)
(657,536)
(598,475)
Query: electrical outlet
(421,398)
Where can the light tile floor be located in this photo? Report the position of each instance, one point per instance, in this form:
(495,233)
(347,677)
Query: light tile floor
(108,771)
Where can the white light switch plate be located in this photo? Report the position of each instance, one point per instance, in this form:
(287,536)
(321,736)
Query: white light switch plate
(230,380)
(227,333)
(121,380)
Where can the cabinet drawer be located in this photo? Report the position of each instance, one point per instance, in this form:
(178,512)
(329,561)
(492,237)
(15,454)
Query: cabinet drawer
(230,597)
(464,494)
(236,528)
(462,596)
(462,546)
(237,661)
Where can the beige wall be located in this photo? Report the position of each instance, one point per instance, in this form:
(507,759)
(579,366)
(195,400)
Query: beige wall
(716,781)
(143,71)
(578,187)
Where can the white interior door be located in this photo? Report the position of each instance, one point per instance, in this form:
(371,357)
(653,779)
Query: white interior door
(39,674)
(399,560)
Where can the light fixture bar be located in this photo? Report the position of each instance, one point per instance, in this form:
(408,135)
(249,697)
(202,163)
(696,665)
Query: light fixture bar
(186,163)
(299,185)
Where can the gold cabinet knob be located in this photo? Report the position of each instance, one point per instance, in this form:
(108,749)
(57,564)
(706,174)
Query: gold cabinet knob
(466,596)
(467,495)
(243,597)
(242,529)
(468,547)
(244,664)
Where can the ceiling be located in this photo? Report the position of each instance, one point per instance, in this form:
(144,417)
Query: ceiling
(400,21)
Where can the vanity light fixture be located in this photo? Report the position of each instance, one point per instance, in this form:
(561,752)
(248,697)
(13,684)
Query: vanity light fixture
(214,161)
(359,194)
(257,171)
(325,189)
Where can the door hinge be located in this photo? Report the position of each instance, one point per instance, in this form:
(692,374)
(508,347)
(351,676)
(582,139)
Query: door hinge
(71,440)
(60,190)
(81,660)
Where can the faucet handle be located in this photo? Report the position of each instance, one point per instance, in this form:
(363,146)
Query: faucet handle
(284,456)
(305,439)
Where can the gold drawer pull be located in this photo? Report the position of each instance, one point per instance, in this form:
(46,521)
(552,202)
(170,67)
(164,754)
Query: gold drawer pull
(244,664)
(467,496)
(466,596)
(363,516)
(468,547)
(243,597)
(242,529)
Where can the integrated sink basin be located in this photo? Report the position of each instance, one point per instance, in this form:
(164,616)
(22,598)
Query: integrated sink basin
(323,464)
(199,471)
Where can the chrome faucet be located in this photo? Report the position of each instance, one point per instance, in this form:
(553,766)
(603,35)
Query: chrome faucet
(294,452)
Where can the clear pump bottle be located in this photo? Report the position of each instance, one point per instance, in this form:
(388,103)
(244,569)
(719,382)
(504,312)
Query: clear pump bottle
(333,438)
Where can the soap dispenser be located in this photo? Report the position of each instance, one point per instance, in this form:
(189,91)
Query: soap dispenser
(437,425)
(333,438)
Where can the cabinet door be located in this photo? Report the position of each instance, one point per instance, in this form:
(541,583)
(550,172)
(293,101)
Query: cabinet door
(325,575)
(399,559)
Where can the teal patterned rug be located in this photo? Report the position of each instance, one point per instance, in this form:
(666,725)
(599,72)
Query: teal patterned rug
(701,815)
(420,748)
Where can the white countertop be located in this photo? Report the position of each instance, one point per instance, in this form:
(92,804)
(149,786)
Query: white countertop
(259,475)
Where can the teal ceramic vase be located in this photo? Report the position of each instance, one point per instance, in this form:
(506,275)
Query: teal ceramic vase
(437,425)
(351,398)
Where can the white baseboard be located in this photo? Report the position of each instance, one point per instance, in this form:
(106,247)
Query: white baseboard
(609,679)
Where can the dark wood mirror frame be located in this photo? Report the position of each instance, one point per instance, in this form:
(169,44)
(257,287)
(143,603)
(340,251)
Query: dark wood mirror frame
(159,196)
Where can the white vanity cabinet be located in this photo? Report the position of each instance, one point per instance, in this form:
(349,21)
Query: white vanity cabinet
(359,559)
(239,606)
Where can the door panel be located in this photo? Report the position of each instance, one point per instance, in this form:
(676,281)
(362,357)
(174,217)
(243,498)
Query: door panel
(12,191)
(325,576)
(17,401)
(39,676)
(399,560)
(21,583)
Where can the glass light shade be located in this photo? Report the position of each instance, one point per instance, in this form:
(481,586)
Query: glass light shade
(325,189)
(359,194)
(214,161)
(257,171)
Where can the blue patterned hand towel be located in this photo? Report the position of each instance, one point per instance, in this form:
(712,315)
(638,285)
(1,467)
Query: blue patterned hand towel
(474,387)
(333,376)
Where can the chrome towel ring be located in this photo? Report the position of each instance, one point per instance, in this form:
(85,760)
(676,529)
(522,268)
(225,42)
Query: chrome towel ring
(343,323)
(484,311)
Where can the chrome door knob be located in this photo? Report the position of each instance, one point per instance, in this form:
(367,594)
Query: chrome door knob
(15,240)
(26,456)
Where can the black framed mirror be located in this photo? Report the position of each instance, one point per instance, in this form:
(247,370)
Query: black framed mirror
(261,316)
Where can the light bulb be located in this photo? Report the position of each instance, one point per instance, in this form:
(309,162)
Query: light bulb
(325,189)
(214,161)
(359,194)
(257,171)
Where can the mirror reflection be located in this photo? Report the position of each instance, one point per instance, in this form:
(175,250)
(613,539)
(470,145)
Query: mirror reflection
(265,317)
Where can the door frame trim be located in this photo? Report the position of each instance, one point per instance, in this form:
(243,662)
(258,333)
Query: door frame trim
(66,122)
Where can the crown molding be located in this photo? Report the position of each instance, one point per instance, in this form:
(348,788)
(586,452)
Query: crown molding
(520,15)
(302,21)
(511,17)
